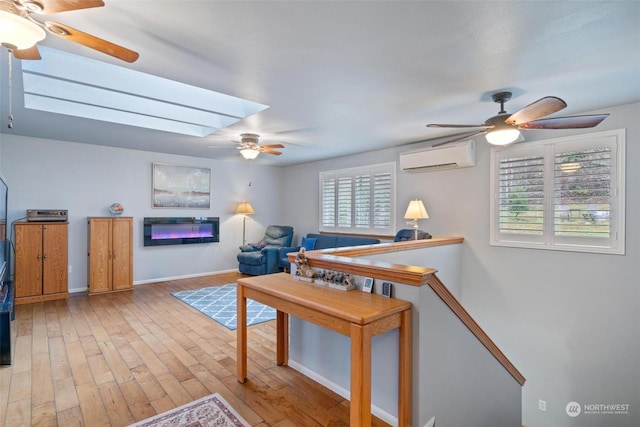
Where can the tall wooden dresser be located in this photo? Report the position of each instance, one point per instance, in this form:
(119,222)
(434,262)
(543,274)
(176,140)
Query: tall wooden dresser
(41,261)
(110,254)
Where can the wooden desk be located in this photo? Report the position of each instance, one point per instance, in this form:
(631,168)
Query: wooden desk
(356,314)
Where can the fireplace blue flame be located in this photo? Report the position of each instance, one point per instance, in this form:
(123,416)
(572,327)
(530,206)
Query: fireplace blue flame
(180,230)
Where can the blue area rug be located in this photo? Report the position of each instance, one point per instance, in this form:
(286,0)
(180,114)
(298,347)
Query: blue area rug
(220,304)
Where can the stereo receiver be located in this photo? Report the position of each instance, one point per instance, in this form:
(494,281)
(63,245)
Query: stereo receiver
(47,215)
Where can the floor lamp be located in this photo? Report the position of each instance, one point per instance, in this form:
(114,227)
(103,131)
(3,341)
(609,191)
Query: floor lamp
(415,211)
(244,209)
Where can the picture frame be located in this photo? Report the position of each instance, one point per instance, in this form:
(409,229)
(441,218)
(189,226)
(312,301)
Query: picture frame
(367,286)
(177,186)
(387,289)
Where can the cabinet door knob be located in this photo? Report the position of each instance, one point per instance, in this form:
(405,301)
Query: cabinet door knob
(38,257)
(44,256)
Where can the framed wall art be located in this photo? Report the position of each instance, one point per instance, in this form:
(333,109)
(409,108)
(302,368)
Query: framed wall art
(175,186)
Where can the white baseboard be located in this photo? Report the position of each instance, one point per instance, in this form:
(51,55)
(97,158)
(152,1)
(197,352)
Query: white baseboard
(383,415)
(163,279)
(186,276)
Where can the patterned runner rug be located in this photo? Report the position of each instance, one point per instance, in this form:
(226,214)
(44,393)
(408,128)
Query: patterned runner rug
(209,411)
(220,304)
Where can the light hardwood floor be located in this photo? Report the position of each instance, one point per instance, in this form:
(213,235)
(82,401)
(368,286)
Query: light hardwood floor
(111,360)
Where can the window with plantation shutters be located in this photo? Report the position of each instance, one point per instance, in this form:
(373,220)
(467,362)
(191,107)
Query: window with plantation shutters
(521,194)
(358,200)
(562,194)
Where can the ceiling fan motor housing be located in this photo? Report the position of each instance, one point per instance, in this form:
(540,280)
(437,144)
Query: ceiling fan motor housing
(498,121)
(249,138)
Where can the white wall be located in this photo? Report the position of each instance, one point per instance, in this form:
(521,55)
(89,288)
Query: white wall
(86,179)
(568,321)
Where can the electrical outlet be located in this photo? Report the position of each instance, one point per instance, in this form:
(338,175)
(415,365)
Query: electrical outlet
(70,270)
(542,405)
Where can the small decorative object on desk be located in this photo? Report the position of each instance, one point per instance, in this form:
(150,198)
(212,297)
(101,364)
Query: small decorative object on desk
(367,286)
(335,280)
(116,209)
(387,289)
(303,271)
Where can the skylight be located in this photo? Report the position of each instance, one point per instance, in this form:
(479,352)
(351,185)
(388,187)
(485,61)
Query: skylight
(77,86)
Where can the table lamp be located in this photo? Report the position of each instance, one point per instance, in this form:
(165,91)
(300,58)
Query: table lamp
(415,211)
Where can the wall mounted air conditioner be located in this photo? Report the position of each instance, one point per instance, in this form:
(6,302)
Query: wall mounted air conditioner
(451,156)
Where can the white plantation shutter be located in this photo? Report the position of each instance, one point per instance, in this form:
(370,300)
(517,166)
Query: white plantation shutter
(328,202)
(362,201)
(358,200)
(521,195)
(344,197)
(383,200)
(563,194)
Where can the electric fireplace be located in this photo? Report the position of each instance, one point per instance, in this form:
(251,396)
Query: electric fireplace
(180,230)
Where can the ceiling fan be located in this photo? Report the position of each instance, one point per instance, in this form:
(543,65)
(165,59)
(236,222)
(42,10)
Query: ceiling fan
(503,128)
(250,148)
(20,31)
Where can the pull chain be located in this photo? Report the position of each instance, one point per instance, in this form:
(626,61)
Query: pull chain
(10,118)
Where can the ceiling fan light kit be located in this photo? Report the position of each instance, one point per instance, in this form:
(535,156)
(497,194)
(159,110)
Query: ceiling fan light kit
(502,137)
(16,30)
(250,148)
(20,32)
(249,153)
(499,132)
(504,128)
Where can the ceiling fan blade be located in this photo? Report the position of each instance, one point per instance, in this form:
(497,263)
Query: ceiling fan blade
(272,146)
(438,125)
(56,6)
(542,107)
(267,151)
(569,122)
(30,53)
(92,42)
(460,138)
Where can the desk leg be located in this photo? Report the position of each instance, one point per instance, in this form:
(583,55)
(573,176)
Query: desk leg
(241,335)
(282,338)
(404,371)
(360,413)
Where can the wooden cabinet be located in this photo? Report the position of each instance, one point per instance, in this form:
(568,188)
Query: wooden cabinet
(110,254)
(41,261)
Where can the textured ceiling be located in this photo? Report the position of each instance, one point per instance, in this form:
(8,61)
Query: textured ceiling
(343,77)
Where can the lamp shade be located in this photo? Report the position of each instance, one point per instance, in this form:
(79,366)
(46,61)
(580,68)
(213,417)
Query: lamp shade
(245,208)
(17,32)
(416,210)
(249,153)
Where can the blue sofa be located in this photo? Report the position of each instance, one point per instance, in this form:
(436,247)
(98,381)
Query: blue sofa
(410,234)
(323,241)
(263,257)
